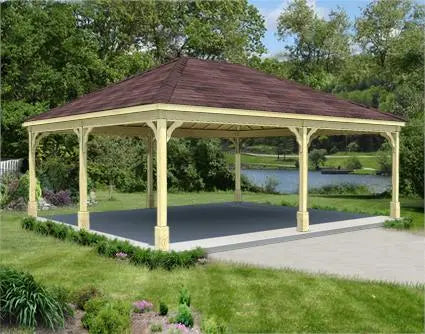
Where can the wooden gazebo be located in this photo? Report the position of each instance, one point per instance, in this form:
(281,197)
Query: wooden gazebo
(188,97)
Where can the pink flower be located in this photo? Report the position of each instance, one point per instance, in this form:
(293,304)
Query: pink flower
(121,255)
(142,306)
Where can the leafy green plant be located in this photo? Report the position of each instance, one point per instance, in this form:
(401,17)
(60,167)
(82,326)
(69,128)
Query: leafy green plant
(184,296)
(81,297)
(107,317)
(26,303)
(139,256)
(163,308)
(156,328)
(404,223)
(184,315)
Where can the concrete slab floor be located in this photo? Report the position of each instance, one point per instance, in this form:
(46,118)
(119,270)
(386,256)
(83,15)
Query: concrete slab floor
(376,254)
(198,222)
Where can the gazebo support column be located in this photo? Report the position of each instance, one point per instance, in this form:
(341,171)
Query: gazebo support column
(33,140)
(303,136)
(83,214)
(238,193)
(149,173)
(394,140)
(162,134)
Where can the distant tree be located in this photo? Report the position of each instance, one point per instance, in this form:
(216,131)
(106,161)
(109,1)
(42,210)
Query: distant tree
(284,146)
(317,157)
(353,163)
(353,147)
(384,158)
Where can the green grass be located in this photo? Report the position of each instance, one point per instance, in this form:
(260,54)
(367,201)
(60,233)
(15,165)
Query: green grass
(244,298)
(368,160)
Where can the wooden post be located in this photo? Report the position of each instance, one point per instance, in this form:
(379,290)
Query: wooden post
(395,204)
(238,193)
(149,172)
(32,200)
(162,234)
(83,214)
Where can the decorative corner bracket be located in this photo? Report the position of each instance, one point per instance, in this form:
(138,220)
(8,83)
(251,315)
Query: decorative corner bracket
(391,138)
(311,133)
(170,129)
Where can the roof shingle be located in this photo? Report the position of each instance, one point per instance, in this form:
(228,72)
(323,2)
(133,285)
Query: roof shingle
(191,81)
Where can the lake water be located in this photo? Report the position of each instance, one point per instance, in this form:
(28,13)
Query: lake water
(288,179)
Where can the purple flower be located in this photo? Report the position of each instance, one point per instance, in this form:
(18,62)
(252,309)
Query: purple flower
(121,255)
(142,306)
(181,327)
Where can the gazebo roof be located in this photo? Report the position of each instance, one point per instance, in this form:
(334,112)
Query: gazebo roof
(195,82)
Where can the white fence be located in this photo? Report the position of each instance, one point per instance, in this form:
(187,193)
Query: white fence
(10,166)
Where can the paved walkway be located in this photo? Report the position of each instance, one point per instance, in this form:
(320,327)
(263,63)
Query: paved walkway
(376,254)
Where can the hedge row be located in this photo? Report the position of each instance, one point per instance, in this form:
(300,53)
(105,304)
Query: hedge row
(110,248)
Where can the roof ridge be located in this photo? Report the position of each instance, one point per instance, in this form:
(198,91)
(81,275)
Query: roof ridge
(168,85)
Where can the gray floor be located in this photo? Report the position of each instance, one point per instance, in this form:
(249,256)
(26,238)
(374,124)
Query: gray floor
(202,221)
(376,254)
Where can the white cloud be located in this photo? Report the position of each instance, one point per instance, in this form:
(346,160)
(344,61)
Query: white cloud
(272,15)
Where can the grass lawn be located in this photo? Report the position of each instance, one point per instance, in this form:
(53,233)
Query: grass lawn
(246,299)
(368,160)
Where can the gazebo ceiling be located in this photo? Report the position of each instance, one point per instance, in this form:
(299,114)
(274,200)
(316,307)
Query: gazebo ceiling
(195,82)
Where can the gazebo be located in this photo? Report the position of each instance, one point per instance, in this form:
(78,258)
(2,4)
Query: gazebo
(189,97)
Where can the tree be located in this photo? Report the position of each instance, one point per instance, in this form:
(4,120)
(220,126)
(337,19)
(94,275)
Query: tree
(320,45)
(284,146)
(380,24)
(317,157)
(353,147)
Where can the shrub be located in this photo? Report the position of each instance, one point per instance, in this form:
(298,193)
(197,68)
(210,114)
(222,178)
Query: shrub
(270,185)
(62,295)
(110,248)
(156,328)
(163,308)
(26,303)
(210,326)
(342,189)
(108,318)
(317,157)
(61,198)
(400,224)
(92,308)
(81,297)
(353,163)
(184,297)
(184,315)
(353,147)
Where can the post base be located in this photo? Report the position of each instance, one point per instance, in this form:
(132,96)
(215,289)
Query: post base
(238,196)
(395,210)
(84,220)
(302,221)
(32,208)
(162,238)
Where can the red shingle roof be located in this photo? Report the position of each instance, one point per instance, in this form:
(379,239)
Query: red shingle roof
(191,81)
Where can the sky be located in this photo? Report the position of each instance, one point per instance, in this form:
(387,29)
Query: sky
(271,9)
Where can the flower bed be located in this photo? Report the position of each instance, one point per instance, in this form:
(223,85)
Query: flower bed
(111,248)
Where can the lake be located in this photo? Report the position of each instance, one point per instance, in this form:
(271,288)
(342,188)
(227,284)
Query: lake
(288,179)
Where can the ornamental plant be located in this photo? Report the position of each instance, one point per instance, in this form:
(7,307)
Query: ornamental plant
(142,306)
(121,255)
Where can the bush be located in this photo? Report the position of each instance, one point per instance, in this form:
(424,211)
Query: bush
(399,224)
(139,256)
(26,303)
(14,191)
(184,315)
(317,157)
(163,309)
(184,297)
(92,308)
(342,189)
(61,198)
(87,293)
(156,328)
(107,317)
(270,185)
(353,163)
(353,147)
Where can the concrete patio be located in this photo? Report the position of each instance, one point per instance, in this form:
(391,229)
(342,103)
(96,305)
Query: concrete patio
(225,226)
